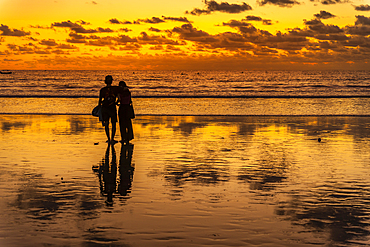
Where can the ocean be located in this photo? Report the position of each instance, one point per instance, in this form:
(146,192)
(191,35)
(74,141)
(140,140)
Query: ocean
(219,158)
(240,93)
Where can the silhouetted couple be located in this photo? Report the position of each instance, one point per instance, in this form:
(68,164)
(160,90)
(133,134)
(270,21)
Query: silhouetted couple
(109,97)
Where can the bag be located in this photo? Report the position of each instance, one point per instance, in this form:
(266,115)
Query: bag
(131,112)
(96,111)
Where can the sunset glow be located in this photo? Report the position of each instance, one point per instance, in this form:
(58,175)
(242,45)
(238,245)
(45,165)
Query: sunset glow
(196,34)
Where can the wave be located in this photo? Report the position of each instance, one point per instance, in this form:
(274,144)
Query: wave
(195,96)
(202,115)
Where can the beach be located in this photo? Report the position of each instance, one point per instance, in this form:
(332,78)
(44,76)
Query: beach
(185,181)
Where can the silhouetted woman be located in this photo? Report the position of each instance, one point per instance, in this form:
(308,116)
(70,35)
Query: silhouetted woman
(125,113)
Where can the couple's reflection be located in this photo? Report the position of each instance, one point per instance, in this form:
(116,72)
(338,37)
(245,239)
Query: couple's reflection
(107,172)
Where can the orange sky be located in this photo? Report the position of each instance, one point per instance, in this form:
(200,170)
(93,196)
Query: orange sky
(185,34)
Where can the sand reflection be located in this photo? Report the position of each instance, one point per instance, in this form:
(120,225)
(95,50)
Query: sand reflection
(192,181)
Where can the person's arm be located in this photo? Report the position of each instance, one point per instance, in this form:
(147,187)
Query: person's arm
(118,99)
(118,95)
(100,98)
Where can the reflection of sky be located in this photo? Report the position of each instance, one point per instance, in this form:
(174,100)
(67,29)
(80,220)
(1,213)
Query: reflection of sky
(196,175)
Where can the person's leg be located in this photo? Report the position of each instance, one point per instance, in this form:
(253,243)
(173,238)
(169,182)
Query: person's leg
(130,132)
(113,131)
(106,126)
(121,126)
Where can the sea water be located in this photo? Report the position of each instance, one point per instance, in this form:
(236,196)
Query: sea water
(192,92)
(185,181)
(219,158)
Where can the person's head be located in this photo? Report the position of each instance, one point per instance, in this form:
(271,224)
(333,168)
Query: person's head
(108,80)
(122,84)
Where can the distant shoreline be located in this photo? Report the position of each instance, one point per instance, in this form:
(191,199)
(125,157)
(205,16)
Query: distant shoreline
(200,97)
(189,115)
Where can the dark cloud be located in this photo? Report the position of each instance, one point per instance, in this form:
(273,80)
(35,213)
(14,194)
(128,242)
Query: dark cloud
(76,38)
(246,28)
(324,15)
(358,30)
(154,30)
(267,22)
(236,23)
(253,18)
(54,44)
(126,30)
(124,39)
(362,20)
(78,28)
(188,32)
(6,31)
(121,40)
(257,18)
(49,42)
(127,47)
(280,3)
(362,7)
(153,20)
(356,41)
(144,38)
(115,21)
(317,26)
(213,6)
(337,37)
(40,27)
(330,2)
(179,19)
(156,48)
(31,48)
(100,41)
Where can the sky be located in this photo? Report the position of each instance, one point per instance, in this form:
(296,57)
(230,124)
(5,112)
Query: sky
(185,34)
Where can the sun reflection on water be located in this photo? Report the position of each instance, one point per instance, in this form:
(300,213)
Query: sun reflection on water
(185,181)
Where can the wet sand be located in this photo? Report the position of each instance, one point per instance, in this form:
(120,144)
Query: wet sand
(185,181)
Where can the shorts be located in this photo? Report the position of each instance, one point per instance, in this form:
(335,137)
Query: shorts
(109,113)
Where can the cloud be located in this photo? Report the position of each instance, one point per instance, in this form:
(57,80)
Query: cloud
(213,6)
(153,20)
(179,19)
(54,44)
(76,38)
(40,27)
(257,18)
(126,30)
(362,7)
(78,28)
(330,2)
(144,38)
(6,31)
(188,32)
(358,30)
(280,3)
(34,49)
(317,26)
(333,37)
(49,42)
(154,30)
(115,21)
(324,15)
(362,20)
(243,26)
